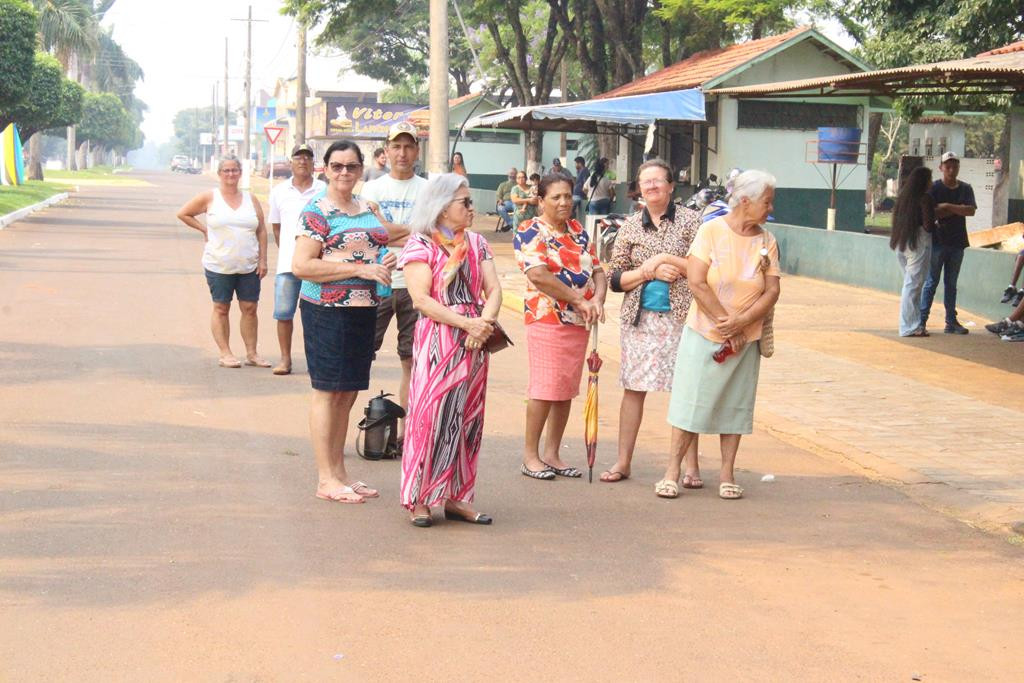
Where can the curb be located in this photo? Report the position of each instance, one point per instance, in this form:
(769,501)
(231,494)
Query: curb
(21,213)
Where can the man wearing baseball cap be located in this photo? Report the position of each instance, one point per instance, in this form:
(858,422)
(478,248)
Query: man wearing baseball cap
(395,195)
(287,201)
(954,202)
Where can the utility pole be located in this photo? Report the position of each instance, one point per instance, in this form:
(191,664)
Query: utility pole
(213,123)
(247,114)
(224,149)
(438,157)
(300,92)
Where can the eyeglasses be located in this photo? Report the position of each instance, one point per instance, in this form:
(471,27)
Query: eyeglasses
(303,157)
(653,182)
(465,201)
(348,168)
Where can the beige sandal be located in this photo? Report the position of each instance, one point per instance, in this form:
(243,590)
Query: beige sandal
(729,491)
(666,488)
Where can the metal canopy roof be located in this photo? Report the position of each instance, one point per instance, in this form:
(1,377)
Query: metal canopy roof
(998,72)
(592,116)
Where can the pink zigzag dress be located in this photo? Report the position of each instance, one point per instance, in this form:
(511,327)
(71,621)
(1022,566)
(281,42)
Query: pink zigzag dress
(448,387)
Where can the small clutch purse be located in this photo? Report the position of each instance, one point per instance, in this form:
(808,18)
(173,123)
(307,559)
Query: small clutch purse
(498,340)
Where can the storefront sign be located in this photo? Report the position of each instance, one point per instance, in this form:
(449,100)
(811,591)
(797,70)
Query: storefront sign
(350,118)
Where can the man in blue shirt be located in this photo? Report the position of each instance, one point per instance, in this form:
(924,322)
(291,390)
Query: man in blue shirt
(582,173)
(954,202)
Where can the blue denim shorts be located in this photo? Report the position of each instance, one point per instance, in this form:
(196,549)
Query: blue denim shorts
(224,285)
(286,296)
(339,345)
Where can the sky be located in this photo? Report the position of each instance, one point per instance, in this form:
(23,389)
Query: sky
(180,47)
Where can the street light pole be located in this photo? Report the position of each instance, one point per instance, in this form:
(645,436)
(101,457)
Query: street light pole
(438,157)
(224,148)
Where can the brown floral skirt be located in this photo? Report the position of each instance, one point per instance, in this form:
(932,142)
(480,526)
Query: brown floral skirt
(649,352)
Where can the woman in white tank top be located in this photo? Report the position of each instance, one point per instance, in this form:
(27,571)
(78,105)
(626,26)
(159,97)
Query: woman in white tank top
(234,257)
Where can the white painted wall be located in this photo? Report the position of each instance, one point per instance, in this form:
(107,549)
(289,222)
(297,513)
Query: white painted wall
(921,134)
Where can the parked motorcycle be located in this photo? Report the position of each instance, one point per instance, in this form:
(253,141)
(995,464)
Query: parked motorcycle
(608,228)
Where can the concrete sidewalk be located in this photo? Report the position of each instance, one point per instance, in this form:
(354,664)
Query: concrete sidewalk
(934,418)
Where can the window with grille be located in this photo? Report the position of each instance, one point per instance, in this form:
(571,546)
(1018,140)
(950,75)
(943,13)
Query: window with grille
(797,115)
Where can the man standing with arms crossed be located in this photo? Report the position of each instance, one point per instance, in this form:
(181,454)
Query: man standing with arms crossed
(395,195)
(287,201)
(954,201)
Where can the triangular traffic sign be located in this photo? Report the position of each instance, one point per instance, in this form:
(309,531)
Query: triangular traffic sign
(273,133)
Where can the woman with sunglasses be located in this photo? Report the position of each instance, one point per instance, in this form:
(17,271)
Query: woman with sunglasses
(234,257)
(453,283)
(339,258)
(565,293)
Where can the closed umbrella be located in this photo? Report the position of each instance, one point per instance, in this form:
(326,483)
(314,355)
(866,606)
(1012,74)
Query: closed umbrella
(590,407)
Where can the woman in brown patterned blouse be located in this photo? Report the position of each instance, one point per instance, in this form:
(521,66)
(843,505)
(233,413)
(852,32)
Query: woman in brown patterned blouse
(649,265)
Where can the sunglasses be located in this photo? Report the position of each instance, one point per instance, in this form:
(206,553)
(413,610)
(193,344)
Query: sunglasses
(349,168)
(465,201)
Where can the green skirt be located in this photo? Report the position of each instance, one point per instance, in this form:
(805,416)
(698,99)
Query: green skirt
(712,398)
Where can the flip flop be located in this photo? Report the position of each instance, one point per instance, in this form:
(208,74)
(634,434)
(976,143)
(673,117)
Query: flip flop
(361,489)
(229,363)
(727,491)
(613,476)
(692,482)
(666,488)
(338,495)
(257,362)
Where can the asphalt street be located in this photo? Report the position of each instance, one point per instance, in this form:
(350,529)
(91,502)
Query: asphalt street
(157,517)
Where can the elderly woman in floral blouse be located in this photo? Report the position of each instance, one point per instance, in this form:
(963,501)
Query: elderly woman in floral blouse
(649,265)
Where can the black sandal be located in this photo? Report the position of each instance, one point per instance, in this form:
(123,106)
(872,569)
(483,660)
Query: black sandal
(570,472)
(478,518)
(546,474)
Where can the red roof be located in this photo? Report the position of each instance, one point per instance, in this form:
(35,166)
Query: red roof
(1005,50)
(421,117)
(703,66)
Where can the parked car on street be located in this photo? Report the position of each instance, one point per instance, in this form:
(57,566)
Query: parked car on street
(282,169)
(181,163)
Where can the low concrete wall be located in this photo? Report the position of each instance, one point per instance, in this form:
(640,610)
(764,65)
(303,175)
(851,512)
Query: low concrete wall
(866,261)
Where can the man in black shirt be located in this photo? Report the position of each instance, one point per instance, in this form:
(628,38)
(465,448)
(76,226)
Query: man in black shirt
(954,201)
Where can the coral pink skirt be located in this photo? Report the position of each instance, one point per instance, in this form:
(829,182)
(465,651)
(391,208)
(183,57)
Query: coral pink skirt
(556,356)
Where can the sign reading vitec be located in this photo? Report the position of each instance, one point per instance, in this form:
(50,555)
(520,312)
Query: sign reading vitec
(348,118)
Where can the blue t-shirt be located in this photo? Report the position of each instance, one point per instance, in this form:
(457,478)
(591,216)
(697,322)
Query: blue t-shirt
(581,181)
(951,231)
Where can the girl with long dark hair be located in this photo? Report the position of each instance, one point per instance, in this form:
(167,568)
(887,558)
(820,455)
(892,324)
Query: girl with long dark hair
(913,219)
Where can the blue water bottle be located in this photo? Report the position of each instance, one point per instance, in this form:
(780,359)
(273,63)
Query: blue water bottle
(382,289)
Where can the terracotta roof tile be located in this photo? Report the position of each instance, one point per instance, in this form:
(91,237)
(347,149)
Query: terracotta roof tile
(421,117)
(1006,49)
(703,66)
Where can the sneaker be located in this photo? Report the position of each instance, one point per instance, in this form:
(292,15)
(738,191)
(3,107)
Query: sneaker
(1001,327)
(1014,335)
(1017,298)
(1008,294)
(956,328)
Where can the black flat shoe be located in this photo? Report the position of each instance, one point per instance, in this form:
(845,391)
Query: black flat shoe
(478,518)
(546,474)
(570,472)
(421,521)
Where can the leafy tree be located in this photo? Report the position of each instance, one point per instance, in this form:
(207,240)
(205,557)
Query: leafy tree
(189,123)
(754,18)
(42,98)
(386,39)
(103,120)
(18,26)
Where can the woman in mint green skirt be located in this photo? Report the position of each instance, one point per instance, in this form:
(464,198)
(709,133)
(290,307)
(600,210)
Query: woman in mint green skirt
(733,272)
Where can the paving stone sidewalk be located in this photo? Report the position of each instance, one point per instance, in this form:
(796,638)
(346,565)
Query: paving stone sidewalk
(927,419)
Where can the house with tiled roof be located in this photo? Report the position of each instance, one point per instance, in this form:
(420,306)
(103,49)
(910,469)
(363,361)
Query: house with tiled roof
(769,133)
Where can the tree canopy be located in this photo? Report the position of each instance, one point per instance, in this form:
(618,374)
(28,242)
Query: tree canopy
(33,112)
(18,26)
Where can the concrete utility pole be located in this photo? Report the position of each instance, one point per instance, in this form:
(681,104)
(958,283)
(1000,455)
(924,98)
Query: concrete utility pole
(247,114)
(224,149)
(300,88)
(438,157)
(213,122)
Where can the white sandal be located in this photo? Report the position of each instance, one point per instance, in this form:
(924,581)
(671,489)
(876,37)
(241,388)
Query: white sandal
(728,491)
(666,488)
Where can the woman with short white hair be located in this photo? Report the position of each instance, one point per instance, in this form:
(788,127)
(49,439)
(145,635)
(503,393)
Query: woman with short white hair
(733,272)
(454,285)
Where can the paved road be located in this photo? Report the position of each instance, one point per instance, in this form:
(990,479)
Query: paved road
(157,520)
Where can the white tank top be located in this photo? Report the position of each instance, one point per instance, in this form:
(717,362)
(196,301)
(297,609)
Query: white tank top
(231,244)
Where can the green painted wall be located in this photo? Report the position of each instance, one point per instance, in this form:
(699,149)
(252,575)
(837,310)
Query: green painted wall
(861,260)
(803,206)
(1016,211)
(486,181)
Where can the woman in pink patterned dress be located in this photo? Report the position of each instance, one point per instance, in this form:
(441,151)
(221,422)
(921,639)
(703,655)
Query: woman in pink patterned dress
(453,284)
